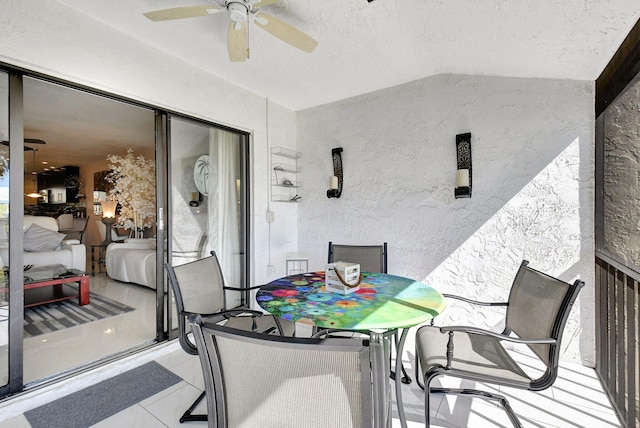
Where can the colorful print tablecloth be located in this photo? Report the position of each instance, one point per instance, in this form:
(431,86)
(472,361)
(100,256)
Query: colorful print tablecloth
(383,302)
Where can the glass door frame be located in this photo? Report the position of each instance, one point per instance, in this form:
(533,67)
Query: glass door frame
(244,151)
(16,213)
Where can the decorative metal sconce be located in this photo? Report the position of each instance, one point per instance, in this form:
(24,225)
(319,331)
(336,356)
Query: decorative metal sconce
(463,172)
(335,182)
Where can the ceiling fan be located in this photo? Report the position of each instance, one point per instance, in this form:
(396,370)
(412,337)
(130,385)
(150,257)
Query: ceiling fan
(241,12)
(26,141)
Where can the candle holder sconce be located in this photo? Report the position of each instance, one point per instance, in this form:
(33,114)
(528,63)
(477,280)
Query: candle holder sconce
(463,171)
(335,182)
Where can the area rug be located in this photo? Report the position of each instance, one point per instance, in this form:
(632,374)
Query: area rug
(95,403)
(57,316)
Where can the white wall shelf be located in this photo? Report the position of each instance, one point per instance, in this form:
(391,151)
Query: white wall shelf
(284,175)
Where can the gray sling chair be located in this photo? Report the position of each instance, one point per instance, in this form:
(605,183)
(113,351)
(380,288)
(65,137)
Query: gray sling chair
(199,288)
(372,258)
(268,381)
(536,312)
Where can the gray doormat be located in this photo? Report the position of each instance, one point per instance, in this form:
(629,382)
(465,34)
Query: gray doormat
(52,317)
(95,403)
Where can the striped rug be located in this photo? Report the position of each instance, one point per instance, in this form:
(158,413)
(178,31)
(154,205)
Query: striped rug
(52,317)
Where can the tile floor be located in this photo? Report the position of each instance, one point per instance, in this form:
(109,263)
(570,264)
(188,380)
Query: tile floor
(96,340)
(575,400)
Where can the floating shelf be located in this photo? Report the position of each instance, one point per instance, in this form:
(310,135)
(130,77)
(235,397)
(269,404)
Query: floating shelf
(282,198)
(284,175)
(286,153)
(286,168)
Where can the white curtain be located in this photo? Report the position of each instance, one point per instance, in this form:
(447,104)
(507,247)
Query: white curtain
(224,214)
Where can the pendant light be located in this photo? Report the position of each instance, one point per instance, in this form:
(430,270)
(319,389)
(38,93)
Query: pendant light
(34,193)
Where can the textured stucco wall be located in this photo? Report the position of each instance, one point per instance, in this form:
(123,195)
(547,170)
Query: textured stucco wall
(622,177)
(532,148)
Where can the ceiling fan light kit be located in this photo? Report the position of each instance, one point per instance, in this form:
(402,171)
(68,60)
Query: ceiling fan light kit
(238,12)
(241,13)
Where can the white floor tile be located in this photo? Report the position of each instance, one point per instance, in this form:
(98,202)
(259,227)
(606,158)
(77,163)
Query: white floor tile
(190,370)
(76,346)
(133,417)
(162,394)
(17,422)
(170,408)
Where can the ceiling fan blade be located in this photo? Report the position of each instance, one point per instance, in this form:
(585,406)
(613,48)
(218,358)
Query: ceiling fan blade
(182,12)
(285,32)
(264,3)
(237,41)
(26,141)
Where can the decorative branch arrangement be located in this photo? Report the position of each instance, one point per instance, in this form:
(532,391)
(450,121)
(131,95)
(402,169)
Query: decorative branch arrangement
(133,179)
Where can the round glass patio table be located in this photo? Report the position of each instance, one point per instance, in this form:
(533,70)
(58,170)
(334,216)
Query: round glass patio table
(383,303)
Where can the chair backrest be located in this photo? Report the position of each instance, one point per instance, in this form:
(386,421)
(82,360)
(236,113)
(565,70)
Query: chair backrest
(42,221)
(80,224)
(372,258)
(539,306)
(65,221)
(198,288)
(262,380)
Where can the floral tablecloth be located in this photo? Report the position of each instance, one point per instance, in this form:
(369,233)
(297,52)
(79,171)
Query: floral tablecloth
(383,302)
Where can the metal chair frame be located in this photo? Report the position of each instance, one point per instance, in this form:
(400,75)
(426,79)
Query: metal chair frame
(209,334)
(542,382)
(183,334)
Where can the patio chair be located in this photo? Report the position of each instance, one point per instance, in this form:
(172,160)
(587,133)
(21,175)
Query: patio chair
(76,229)
(372,258)
(275,381)
(199,288)
(536,312)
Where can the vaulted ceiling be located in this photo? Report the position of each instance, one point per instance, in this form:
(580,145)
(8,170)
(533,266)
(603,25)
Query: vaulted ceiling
(365,46)
(362,47)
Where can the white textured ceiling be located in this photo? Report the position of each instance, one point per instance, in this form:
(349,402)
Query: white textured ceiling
(363,47)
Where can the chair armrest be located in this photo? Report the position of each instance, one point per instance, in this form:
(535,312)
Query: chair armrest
(255,287)
(480,331)
(474,330)
(231,312)
(70,242)
(203,318)
(475,302)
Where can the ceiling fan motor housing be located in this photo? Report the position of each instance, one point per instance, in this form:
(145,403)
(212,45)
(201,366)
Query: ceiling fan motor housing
(237,11)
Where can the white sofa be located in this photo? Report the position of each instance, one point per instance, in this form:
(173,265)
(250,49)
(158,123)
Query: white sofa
(133,261)
(70,253)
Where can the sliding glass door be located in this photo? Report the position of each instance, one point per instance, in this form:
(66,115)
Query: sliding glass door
(66,144)
(207,198)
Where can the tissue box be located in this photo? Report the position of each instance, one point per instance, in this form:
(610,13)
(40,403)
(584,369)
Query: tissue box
(350,273)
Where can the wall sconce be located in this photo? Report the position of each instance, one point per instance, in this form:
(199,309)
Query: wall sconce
(108,219)
(463,171)
(196,199)
(335,182)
